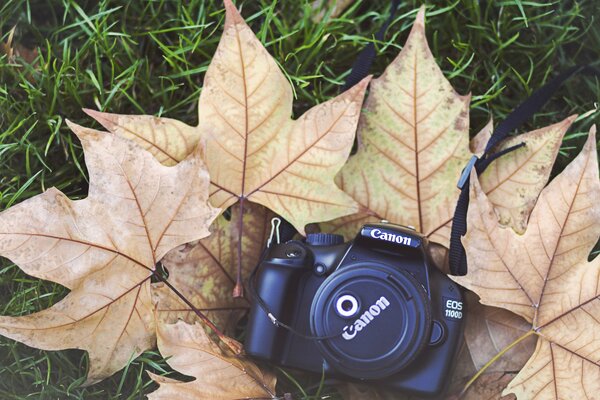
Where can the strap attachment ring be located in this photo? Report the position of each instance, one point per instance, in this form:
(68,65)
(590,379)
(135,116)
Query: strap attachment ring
(466,172)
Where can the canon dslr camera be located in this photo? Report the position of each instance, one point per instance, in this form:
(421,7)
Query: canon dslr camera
(384,314)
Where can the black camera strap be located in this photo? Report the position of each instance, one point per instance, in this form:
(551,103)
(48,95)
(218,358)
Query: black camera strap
(364,60)
(457,257)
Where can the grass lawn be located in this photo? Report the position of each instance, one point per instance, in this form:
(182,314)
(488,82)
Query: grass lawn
(149,57)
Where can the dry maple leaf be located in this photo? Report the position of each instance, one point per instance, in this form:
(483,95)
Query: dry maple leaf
(544,276)
(220,375)
(357,391)
(254,150)
(414,138)
(204,272)
(488,387)
(488,331)
(104,249)
(479,141)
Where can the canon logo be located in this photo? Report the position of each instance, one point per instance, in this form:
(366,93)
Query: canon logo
(350,331)
(390,237)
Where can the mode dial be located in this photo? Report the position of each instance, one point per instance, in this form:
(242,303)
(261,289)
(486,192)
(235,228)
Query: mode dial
(324,239)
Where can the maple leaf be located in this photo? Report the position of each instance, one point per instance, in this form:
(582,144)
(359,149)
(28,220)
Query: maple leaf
(204,272)
(254,150)
(488,331)
(489,387)
(104,249)
(220,375)
(414,136)
(544,276)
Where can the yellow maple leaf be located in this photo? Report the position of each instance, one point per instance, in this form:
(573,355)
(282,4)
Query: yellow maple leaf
(414,141)
(544,275)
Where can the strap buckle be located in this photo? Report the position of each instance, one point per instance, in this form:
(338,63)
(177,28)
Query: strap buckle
(466,172)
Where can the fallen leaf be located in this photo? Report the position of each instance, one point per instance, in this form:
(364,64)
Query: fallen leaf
(479,141)
(220,375)
(104,249)
(413,135)
(205,271)
(488,330)
(169,140)
(414,142)
(255,151)
(544,275)
(488,387)
(356,391)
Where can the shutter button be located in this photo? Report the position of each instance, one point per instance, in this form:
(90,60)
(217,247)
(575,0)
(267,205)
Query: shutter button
(438,334)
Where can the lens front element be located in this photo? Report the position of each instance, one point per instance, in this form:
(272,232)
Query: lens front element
(382,313)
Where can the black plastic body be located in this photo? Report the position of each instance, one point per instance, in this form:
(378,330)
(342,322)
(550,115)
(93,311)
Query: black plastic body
(288,283)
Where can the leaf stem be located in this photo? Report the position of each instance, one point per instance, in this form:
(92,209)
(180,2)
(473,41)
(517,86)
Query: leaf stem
(238,290)
(199,313)
(493,359)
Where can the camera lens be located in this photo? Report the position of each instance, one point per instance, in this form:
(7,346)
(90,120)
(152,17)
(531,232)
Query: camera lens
(383,332)
(347,306)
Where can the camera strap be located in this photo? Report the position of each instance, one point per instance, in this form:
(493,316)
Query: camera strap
(281,231)
(526,110)
(364,60)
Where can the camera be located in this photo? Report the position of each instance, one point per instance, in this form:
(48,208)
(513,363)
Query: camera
(374,309)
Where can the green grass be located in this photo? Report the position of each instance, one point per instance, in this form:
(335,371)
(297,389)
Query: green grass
(150,57)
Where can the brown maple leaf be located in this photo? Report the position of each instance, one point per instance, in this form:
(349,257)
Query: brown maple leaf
(254,150)
(544,275)
(220,375)
(488,387)
(204,272)
(488,332)
(414,141)
(104,248)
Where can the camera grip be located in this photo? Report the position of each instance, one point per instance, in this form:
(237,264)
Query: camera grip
(275,285)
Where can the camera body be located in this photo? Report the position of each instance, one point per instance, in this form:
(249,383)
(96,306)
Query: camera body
(395,319)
